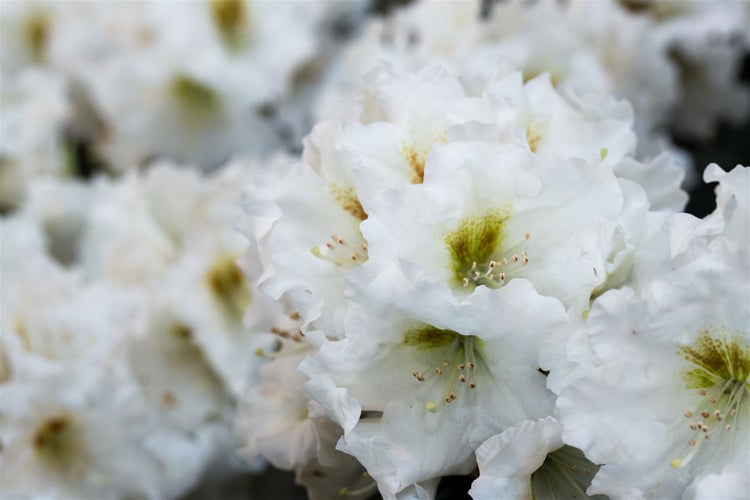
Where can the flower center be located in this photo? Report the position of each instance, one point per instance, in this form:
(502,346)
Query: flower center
(457,370)
(720,373)
(194,96)
(229,287)
(230,18)
(37,30)
(57,442)
(341,252)
(478,256)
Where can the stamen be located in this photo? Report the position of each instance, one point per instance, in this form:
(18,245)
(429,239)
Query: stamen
(456,376)
(341,253)
(488,275)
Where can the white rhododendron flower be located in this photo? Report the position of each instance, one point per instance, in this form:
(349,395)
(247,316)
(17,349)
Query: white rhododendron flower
(489,213)
(680,355)
(441,388)
(58,440)
(386,142)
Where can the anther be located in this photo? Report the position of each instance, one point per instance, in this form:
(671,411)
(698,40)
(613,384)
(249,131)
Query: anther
(461,366)
(528,235)
(466,281)
(691,442)
(705,414)
(470,366)
(446,362)
(702,392)
(461,378)
(688,414)
(473,385)
(492,264)
(438,371)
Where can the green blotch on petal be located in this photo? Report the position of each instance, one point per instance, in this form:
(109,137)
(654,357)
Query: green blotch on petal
(231,18)
(194,95)
(229,287)
(476,239)
(36,31)
(428,337)
(716,356)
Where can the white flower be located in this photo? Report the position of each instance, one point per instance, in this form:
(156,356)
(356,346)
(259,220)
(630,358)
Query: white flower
(666,401)
(58,440)
(306,228)
(162,88)
(386,141)
(430,389)
(489,213)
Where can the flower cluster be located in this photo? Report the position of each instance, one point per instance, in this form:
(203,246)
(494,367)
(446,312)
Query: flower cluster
(445,240)
(461,252)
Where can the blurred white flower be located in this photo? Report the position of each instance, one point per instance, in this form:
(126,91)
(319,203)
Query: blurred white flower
(57,434)
(34,111)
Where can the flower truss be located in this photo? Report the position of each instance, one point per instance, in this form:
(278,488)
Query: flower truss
(441,250)
(385,245)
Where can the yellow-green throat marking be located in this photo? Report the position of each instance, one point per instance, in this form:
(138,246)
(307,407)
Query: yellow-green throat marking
(719,370)
(477,252)
(457,369)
